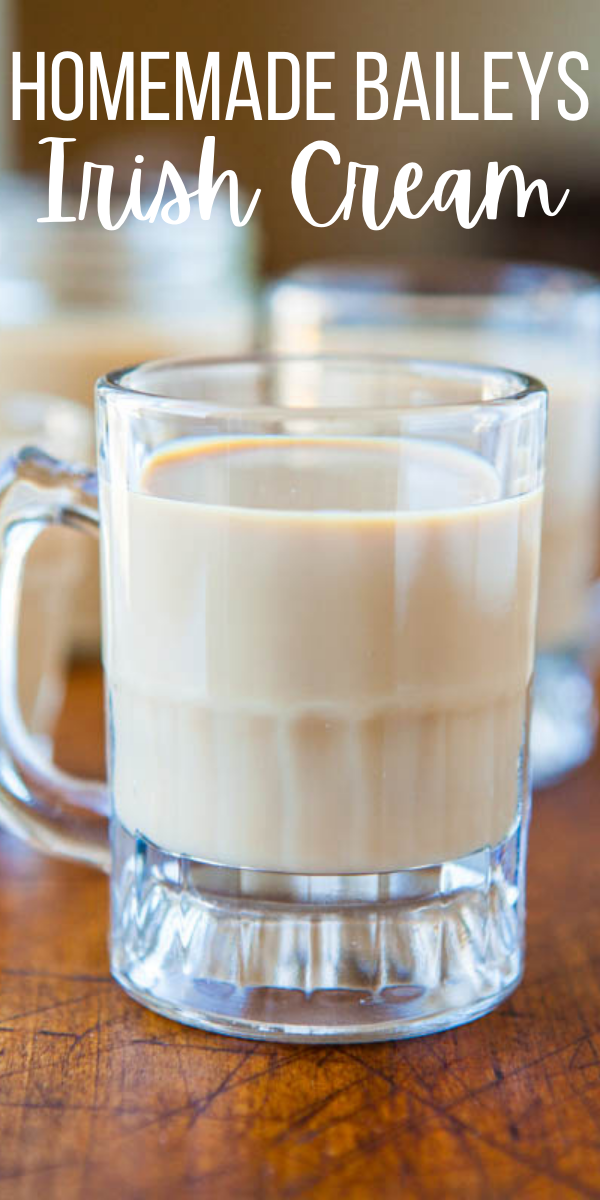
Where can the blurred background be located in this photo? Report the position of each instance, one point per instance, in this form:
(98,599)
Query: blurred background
(263,153)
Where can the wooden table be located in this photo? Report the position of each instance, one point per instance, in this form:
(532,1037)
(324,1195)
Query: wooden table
(99,1098)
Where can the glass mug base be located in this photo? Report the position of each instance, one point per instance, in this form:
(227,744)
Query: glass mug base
(299,958)
(564,719)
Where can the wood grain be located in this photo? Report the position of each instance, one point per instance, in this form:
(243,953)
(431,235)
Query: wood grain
(99,1098)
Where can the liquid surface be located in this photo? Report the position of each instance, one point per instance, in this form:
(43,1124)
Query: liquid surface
(317,477)
(318,653)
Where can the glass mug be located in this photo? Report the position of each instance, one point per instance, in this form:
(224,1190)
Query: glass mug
(543,320)
(57,426)
(319,598)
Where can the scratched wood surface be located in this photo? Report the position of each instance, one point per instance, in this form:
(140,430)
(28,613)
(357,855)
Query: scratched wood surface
(99,1098)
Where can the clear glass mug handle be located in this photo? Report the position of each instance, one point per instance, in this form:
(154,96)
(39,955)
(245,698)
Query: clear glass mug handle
(49,808)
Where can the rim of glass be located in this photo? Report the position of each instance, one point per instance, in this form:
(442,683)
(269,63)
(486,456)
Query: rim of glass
(519,392)
(471,278)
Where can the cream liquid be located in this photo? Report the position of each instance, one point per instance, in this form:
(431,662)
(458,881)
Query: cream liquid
(318,653)
(571,524)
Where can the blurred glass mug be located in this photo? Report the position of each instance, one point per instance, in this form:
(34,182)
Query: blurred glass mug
(76,298)
(318,633)
(542,320)
(58,427)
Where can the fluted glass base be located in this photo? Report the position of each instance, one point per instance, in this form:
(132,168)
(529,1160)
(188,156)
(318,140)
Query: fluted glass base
(318,958)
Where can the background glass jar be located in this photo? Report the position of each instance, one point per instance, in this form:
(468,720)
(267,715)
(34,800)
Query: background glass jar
(76,299)
(532,318)
(319,599)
